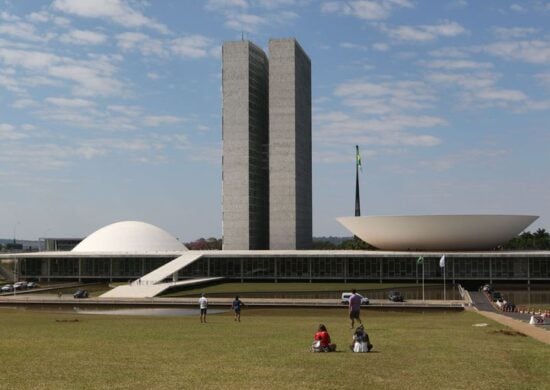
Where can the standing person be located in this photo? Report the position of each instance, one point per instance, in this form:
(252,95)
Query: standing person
(355,307)
(203,304)
(236,306)
(323,339)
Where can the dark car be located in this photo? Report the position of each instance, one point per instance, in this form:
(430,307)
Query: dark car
(496,296)
(81,294)
(395,296)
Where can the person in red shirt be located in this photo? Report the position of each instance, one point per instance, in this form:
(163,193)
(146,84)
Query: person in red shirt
(324,340)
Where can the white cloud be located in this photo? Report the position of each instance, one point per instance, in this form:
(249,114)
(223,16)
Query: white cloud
(160,120)
(456,64)
(93,76)
(468,81)
(245,22)
(192,46)
(217,5)
(153,75)
(130,41)
(384,113)
(25,31)
(353,46)
(24,103)
(365,9)
(70,103)
(8,17)
(83,37)
(517,8)
(117,11)
(425,33)
(471,157)
(451,52)
(532,51)
(544,78)
(381,46)
(479,90)
(513,32)
(9,133)
(46,17)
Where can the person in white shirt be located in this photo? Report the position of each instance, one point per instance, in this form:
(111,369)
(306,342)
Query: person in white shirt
(203,304)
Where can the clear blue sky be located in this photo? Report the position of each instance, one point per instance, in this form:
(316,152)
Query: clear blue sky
(110,109)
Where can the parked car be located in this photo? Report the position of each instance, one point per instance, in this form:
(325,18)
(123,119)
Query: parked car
(32,285)
(81,294)
(20,285)
(6,288)
(395,296)
(496,296)
(346,295)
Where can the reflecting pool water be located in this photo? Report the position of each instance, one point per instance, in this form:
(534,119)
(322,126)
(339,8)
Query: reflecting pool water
(155,312)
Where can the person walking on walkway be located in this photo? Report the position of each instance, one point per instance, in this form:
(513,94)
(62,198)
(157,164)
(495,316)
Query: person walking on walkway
(355,308)
(203,304)
(236,306)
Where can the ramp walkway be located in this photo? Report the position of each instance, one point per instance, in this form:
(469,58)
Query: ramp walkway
(152,290)
(515,321)
(151,284)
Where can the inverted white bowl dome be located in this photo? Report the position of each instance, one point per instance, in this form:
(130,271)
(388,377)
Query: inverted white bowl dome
(130,237)
(437,232)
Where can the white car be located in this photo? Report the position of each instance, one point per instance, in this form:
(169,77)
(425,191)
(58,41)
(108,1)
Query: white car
(7,288)
(19,285)
(346,295)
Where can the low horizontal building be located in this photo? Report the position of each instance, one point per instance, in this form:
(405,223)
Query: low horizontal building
(129,250)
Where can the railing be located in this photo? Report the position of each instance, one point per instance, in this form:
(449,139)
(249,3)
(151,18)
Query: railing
(465,295)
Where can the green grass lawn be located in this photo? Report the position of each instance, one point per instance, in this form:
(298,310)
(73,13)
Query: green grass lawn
(268,349)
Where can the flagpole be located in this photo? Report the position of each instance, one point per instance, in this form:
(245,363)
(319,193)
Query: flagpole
(444,284)
(422,280)
(357,199)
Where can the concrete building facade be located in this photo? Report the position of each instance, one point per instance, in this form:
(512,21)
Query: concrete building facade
(290,216)
(245,141)
(266,146)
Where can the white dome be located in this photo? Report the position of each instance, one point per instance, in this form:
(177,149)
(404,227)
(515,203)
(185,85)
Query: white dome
(130,237)
(437,232)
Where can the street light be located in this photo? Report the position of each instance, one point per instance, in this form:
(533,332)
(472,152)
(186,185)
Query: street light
(14,275)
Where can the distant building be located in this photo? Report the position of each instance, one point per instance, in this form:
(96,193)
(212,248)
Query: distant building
(59,244)
(266,146)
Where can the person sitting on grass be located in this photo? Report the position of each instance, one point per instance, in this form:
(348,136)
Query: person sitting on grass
(322,341)
(361,342)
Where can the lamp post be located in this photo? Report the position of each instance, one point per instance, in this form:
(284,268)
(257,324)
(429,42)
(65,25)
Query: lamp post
(14,275)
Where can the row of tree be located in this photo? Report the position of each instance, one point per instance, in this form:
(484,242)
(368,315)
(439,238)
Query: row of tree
(539,240)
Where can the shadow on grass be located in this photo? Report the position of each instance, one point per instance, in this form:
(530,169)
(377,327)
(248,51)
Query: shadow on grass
(509,332)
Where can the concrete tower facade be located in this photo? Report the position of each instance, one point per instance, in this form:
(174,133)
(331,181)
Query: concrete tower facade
(245,140)
(290,216)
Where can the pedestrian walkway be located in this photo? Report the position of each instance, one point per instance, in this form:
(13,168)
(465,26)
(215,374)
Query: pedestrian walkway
(486,309)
